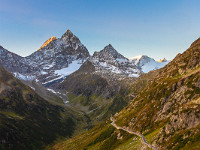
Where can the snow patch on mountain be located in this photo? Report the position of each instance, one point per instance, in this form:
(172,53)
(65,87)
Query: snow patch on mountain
(24,77)
(61,74)
(110,67)
(54,79)
(121,60)
(75,65)
(43,72)
(153,65)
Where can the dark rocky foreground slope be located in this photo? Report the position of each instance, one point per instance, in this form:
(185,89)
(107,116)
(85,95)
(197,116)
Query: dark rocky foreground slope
(28,121)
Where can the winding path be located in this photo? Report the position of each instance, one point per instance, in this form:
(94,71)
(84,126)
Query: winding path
(132,132)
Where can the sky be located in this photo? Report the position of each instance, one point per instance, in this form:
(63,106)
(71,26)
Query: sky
(155,28)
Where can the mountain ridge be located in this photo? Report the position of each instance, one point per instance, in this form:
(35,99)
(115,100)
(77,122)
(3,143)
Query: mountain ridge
(47,42)
(49,64)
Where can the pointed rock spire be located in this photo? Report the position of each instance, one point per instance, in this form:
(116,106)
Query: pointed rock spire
(109,46)
(69,31)
(162,60)
(67,35)
(111,50)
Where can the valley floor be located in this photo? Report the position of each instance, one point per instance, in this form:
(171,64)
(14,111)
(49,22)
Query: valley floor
(108,136)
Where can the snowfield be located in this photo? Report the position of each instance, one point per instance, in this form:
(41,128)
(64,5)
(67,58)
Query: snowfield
(74,66)
(146,64)
(24,77)
(153,65)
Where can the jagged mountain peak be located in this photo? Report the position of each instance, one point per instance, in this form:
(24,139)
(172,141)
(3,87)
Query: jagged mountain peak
(109,46)
(68,39)
(162,60)
(69,36)
(108,53)
(111,50)
(68,33)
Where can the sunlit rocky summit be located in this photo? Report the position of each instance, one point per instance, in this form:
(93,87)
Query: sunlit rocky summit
(48,41)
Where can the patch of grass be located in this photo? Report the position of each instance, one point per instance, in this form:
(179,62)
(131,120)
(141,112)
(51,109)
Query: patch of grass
(131,144)
(11,114)
(152,136)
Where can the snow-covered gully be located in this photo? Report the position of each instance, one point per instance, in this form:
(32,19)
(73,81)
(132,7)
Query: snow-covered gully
(132,132)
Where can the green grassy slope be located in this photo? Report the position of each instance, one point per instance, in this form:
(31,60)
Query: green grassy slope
(27,121)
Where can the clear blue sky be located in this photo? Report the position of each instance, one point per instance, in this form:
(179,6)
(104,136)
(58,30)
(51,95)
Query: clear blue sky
(155,28)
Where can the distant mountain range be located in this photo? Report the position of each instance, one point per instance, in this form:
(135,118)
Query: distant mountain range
(146,64)
(59,57)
